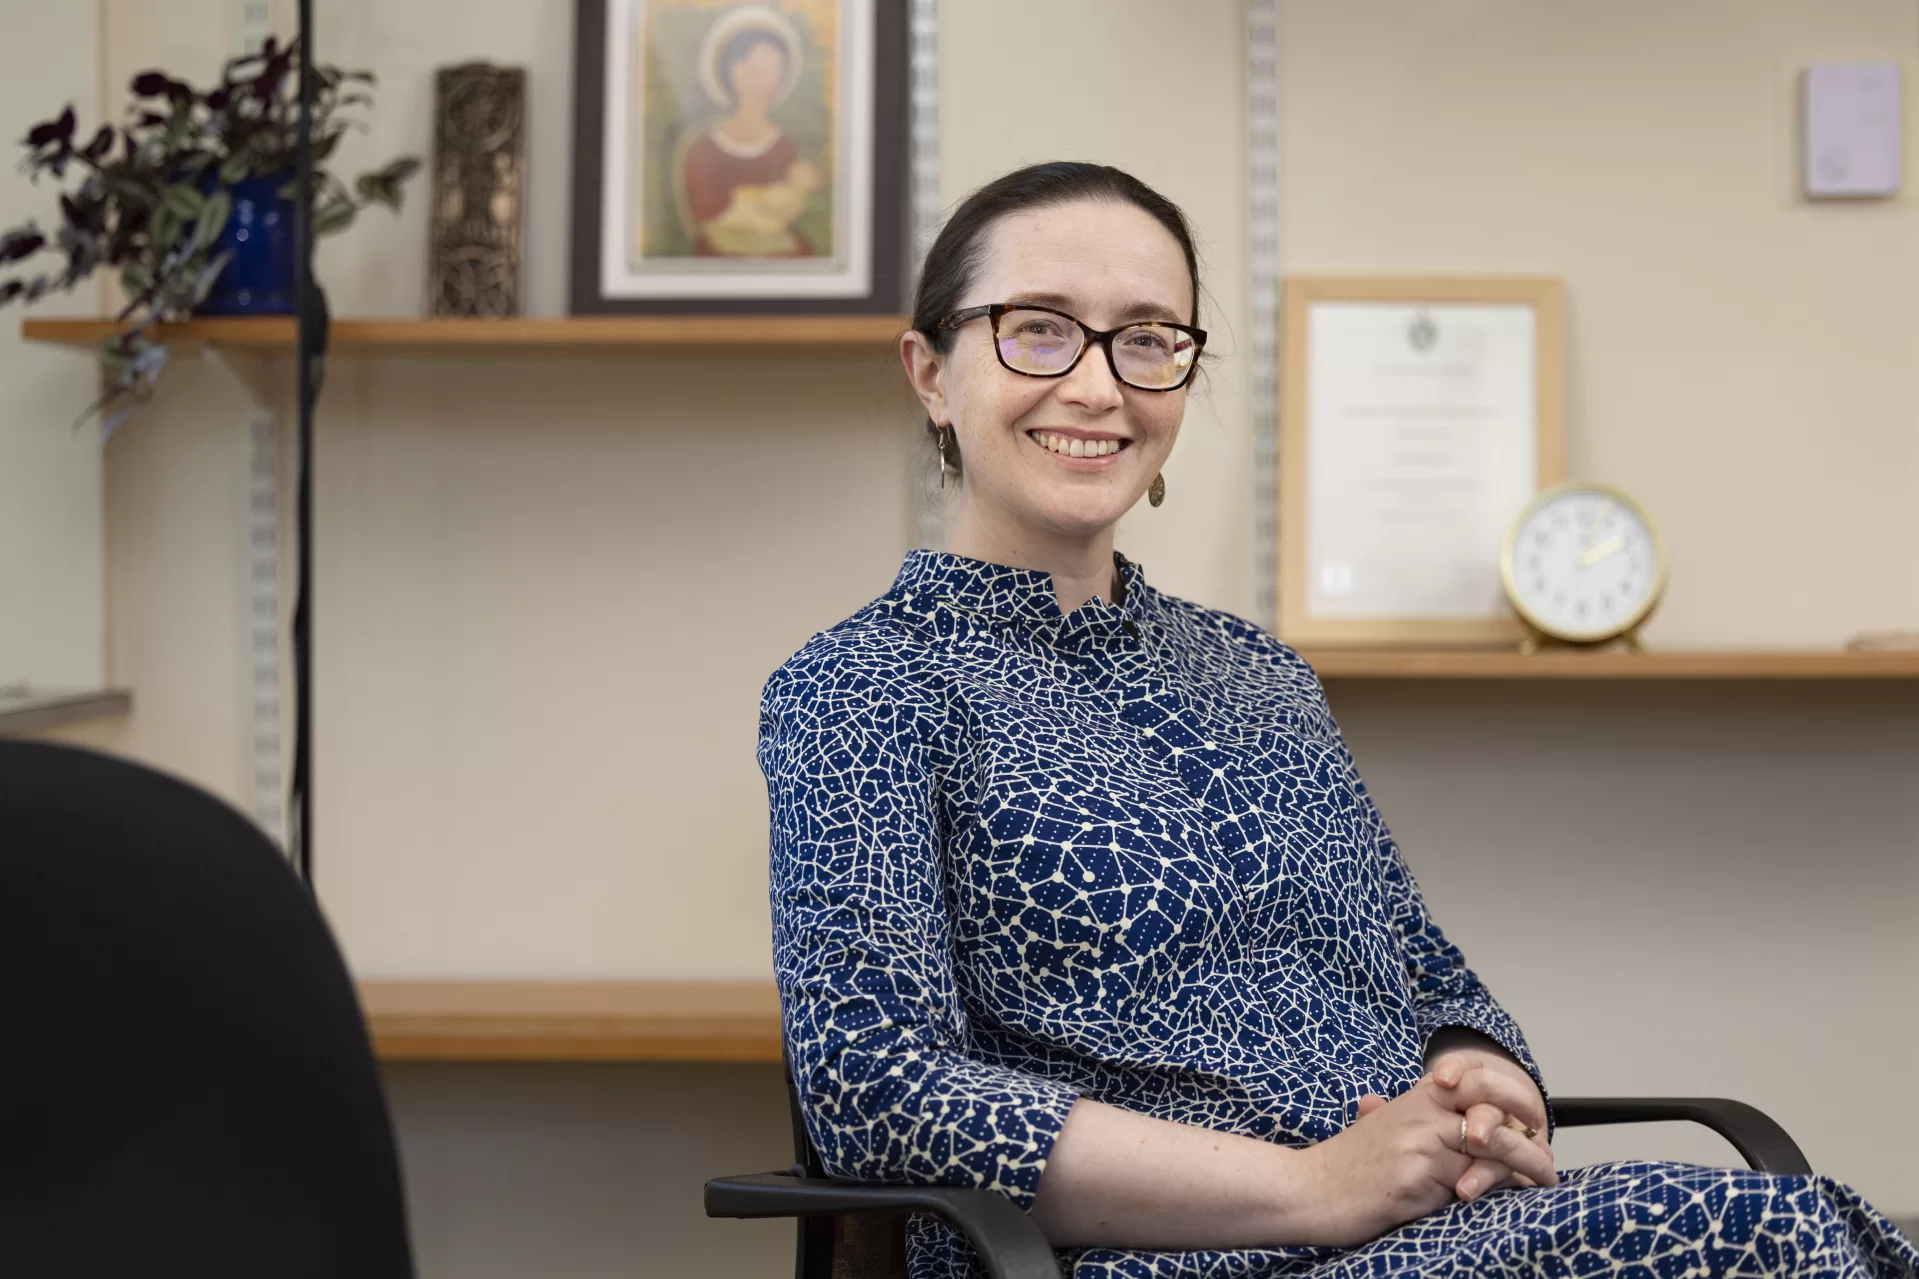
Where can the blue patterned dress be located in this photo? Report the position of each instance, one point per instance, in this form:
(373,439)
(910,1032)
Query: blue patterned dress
(1020,857)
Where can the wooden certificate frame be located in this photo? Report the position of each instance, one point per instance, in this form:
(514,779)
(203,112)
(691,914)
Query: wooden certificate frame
(1482,414)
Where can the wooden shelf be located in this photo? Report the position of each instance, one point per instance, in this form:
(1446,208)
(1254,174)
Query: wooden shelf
(1669,664)
(28,710)
(573,1021)
(656,334)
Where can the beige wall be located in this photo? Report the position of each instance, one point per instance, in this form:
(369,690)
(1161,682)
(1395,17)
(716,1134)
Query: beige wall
(51,590)
(548,591)
(1744,361)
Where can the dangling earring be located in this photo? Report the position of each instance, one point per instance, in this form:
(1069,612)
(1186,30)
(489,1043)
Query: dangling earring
(1157,492)
(946,445)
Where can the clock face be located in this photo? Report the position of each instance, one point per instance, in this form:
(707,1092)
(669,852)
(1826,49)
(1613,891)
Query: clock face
(1583,564)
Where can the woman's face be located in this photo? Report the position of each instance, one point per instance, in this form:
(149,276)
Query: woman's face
(756,77)
(1107,263)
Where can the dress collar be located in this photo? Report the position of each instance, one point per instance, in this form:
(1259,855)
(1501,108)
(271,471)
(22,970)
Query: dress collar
(1014,594)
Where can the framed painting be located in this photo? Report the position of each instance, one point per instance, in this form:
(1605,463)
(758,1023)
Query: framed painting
(739,158)
(1417,417)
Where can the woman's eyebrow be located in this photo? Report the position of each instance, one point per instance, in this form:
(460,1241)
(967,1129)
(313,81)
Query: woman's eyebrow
(1131,312)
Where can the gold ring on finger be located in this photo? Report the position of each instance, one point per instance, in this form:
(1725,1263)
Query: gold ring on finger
(1513,1121)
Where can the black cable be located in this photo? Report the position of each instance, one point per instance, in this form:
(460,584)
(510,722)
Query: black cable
(309,350)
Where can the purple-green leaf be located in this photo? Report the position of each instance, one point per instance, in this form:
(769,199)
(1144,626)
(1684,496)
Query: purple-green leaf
(209,276)
(183,201)
(24,243)
(332,217)
(56,131)
(127,191)
(213,219)
(150,84)
(163,229)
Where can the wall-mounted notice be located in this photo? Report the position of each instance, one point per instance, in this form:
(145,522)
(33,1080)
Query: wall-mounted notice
(1419,417)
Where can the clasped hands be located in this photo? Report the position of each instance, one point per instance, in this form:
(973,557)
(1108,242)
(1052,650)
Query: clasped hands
(1401,1159)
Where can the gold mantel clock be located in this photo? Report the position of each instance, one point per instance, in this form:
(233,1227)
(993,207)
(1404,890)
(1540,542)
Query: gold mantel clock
(1583,564)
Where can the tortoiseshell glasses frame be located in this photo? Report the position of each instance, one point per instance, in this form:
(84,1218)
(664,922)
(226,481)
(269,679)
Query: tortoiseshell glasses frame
(1182,350)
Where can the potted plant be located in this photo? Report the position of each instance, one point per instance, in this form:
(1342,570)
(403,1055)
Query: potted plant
(191,198)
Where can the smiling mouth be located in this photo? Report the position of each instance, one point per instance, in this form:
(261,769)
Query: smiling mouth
(1073,446)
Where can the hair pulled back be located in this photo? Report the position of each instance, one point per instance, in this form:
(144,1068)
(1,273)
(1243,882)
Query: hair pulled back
(954,261)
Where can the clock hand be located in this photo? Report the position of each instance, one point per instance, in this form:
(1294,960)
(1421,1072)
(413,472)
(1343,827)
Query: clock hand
(1594,554)
(1599,518)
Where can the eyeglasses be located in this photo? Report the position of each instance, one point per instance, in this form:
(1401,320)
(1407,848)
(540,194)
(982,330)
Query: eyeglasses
(1038,341)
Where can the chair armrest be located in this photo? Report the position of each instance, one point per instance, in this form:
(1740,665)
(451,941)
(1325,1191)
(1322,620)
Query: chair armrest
(1763,1143)
(1008,1241)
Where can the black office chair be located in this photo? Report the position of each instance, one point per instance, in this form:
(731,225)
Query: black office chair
(187,1085)
(849,1230)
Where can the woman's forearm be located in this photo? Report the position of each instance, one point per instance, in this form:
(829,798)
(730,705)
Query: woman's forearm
(1125,1180)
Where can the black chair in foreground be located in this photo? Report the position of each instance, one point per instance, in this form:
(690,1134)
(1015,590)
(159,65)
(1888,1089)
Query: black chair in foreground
(188,1087)
(849,1230)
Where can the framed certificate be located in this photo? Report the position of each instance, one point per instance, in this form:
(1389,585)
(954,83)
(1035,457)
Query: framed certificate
(1417,418)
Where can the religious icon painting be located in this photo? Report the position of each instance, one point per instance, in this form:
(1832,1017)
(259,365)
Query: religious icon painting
(739,158)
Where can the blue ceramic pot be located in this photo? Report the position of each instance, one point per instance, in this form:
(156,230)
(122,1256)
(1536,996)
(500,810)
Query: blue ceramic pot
(259,234)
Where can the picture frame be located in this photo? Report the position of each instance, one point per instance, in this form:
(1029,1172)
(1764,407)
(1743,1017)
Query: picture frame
(739,158)
(1418,416)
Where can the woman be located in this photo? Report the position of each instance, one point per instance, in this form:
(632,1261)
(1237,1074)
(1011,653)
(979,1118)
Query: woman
(742,182)
(1077,895)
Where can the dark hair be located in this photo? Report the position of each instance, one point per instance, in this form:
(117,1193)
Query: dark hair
(954,260)
(734,52)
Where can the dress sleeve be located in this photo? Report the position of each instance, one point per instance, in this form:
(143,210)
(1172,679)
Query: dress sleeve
(1445,991)
(863,954)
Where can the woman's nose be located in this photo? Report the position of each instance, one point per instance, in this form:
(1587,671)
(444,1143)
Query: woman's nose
(1091,383)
